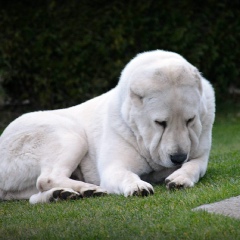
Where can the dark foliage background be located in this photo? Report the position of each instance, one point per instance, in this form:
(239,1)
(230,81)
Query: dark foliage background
(59,53)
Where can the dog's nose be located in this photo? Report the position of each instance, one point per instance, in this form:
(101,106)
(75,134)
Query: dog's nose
(178,158)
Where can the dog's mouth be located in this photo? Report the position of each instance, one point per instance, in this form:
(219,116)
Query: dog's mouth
(168,161)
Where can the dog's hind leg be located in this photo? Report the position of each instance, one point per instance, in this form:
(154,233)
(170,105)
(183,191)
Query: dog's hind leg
(22,194)
(58,180)
(58,167)
(47,185)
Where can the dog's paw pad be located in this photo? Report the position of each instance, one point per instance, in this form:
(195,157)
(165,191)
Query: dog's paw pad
(143,192)
(68,195)
(174,186)
(64,195)
(99,194)
(88,193)
(93,193)
(56,194)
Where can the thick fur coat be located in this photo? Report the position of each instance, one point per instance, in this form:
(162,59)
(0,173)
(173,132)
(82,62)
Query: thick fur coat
(155,125)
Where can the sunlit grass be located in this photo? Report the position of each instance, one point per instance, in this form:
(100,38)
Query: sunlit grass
(165,215)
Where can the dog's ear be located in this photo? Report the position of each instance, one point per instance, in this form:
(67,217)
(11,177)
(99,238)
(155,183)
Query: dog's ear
(198,77)
(136,98)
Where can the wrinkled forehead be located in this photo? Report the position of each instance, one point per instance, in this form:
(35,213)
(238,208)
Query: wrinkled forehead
(183,100)
(161,77)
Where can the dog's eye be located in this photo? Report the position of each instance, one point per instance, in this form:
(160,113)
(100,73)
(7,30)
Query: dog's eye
(190,120)
(161,123)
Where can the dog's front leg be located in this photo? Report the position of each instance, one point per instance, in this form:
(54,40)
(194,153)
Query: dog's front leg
(188,174)
(122,181)
(120,169)
(191,171)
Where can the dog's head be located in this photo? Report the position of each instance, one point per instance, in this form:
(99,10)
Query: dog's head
(163,105)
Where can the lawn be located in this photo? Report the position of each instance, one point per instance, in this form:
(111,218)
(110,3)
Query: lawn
(165,215)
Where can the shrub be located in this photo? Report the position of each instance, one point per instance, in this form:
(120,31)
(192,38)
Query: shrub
(60,53)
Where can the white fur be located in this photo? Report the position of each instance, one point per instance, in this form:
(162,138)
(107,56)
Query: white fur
(112,140)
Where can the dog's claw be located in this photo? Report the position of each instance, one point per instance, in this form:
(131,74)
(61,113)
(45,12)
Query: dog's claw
(173,186)
(167,181)
(88,193)
(143,192)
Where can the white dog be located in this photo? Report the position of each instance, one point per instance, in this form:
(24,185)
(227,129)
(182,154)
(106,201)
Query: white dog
(155,124)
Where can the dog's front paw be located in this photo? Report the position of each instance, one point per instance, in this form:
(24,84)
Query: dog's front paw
(139,188)
(176,181)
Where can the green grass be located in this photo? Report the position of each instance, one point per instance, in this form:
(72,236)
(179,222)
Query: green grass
(165,215)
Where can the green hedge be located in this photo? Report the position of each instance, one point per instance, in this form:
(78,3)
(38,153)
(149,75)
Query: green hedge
(60,53)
